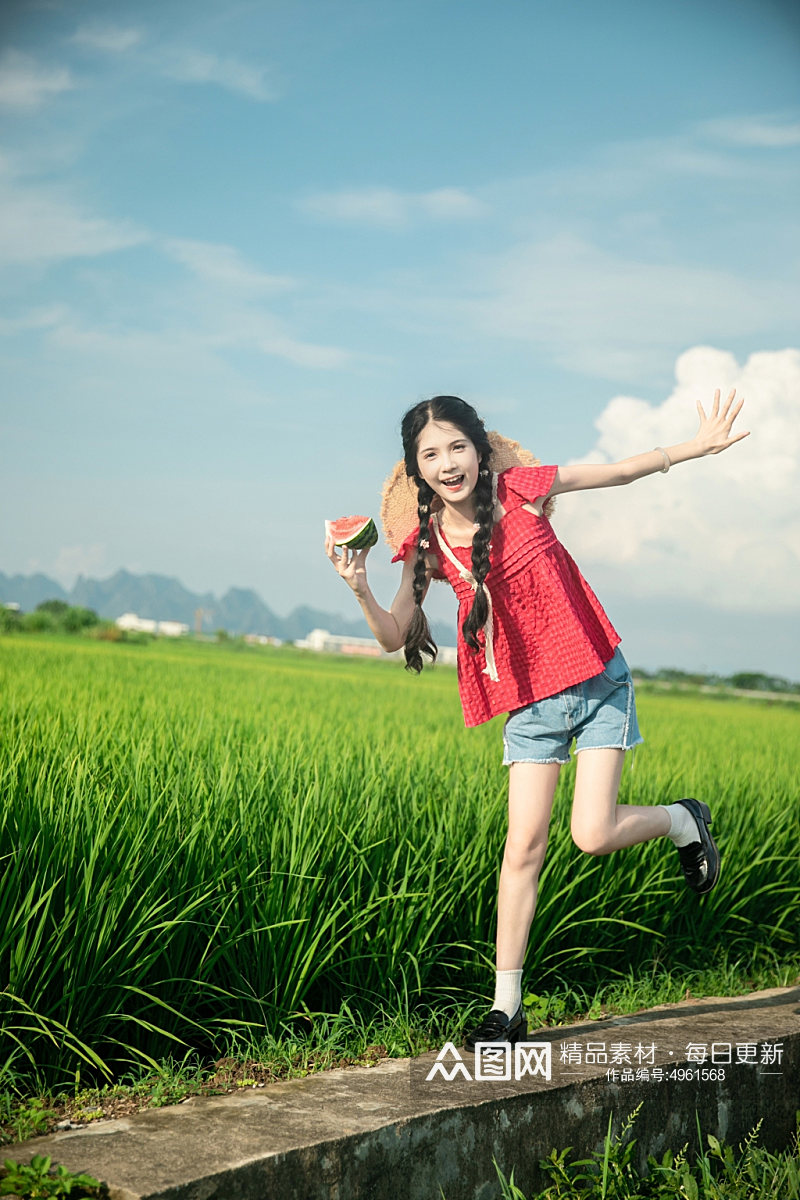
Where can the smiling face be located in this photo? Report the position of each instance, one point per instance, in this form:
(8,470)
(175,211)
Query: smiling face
(448,462)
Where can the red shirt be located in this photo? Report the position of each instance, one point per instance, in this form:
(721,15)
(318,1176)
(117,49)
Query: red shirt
(549,629)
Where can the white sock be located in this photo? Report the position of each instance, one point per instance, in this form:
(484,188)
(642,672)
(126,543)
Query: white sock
(683,828)
(508,991)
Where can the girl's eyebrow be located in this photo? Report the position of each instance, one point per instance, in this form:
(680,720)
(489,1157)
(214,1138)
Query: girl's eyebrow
(455,442)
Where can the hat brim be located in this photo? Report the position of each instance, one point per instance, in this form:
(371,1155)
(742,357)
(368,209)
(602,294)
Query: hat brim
(399,515)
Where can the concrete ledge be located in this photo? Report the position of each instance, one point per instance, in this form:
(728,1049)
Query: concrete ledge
(391,1133)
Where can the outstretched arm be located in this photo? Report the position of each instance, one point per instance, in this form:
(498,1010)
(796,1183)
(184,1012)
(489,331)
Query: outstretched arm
(713,436)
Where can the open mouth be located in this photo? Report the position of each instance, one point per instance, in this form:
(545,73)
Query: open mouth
(453,484)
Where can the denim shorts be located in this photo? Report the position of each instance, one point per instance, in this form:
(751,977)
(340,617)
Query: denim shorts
(599,714)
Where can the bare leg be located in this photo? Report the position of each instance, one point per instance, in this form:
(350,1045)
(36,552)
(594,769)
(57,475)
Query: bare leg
(599,824)
(531,787)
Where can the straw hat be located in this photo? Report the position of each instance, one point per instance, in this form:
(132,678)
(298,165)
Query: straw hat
(399,497)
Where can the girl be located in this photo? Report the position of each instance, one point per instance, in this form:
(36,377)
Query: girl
(534,643)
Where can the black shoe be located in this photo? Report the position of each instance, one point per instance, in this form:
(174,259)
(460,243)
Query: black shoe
(498,1027)
(700,860)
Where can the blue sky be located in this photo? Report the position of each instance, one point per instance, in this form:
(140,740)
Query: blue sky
(238,240)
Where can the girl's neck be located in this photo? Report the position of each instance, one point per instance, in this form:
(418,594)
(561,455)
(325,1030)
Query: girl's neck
(458,521)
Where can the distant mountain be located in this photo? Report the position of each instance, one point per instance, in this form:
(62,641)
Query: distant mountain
(29,590)
(302,620)
(160,598)
(154,596)
(242,610)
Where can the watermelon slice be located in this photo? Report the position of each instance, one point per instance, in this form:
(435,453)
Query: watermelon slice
(355,532)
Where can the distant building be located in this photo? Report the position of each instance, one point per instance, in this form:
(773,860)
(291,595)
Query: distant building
(335,643)
(172,628)
(322,641)
(133,624)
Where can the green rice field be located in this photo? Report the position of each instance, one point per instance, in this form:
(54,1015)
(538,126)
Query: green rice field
(201,842)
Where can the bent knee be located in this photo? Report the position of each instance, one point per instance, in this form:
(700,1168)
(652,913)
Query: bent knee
(592,839)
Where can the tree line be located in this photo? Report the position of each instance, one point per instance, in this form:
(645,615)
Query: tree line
(53,616)
(750,681)
(56,616)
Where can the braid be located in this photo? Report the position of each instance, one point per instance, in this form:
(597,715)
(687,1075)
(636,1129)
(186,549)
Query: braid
(484,513)
(418,638)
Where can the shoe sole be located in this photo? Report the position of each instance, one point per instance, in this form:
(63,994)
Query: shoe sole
(702,814)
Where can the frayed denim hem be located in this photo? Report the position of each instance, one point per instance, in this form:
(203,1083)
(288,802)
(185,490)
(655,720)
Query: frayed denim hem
(632,749)
(562,762)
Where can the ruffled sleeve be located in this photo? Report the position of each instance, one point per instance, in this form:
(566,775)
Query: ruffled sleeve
(524,485)
(408,548)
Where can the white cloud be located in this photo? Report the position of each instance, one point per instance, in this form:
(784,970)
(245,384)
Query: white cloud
(197,66)
(25,83)
(448,204)
(153,349)
(766,132)
(621,173)
(183,64)
(37,318)
(221,309)
(225,266)
(268,334)
(227,309)
(147,376)
(38,225)
(392,209)
(723,530)
(109,39)
(207,330)
(605,314)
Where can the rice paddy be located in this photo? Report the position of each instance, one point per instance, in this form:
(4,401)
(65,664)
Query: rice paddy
(201,843)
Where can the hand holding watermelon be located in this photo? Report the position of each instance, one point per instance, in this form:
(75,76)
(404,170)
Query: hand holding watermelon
(354,536)
(357,533)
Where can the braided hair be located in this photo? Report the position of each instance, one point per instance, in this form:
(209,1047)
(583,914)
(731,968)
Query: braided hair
(464,417)
(484,512)
(419,640)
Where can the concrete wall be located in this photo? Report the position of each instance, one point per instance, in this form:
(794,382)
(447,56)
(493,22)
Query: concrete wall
(401,1130)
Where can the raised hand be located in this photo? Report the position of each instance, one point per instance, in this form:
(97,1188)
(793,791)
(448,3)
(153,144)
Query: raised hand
(350,564)
(714,434)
